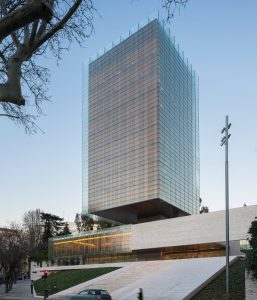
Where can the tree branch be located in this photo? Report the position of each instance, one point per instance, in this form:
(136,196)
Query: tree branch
(41,29)
(171,5)
(3,57)
(27,30)
(9,116)
(24,15)
(26,34)
(59,25)
(3,7)
(33,31)
(15,39)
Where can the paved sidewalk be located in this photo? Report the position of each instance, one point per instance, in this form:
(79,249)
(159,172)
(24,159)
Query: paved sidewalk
(20,290)
(250,287)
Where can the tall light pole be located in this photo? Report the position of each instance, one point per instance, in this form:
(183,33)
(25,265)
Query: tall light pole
(224,141)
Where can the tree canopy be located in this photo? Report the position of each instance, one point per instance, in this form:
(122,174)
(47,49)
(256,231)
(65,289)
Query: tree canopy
(42,226)
(52,224)
(204,210)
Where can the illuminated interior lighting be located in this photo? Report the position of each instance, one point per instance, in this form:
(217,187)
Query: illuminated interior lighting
(81,243)
(93,238)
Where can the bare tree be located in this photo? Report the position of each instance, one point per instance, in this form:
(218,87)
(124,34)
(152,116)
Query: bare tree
(30,28)
(13,251)
(33,226)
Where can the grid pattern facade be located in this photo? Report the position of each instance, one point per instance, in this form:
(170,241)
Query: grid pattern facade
(178,128)
(123,119)
(143,124)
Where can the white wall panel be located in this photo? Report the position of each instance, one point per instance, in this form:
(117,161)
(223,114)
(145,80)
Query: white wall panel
(195,229)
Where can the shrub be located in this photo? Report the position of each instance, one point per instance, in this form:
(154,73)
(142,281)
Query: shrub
(251,262)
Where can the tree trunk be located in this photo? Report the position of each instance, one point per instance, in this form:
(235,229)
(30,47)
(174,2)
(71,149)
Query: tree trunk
(11,90)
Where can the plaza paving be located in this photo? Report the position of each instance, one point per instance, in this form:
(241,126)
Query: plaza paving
(160,280)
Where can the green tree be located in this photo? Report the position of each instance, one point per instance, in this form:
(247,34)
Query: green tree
(78,221)
(252,254)
(87,222)
(66,229)
(204,210)
(102,224)
(52,225)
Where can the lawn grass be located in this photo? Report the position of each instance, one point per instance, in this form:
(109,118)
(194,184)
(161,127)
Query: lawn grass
(62,280)
(216,290)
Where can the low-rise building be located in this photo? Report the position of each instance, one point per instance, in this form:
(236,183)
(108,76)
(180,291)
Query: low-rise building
(184,237)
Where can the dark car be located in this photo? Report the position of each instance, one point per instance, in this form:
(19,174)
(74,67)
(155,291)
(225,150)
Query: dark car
(92,294)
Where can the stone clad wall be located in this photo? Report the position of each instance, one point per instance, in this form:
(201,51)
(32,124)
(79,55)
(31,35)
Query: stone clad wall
(195,229)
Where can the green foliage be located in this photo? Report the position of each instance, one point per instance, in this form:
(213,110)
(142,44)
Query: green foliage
(52,226)
(78,221)
(87,222)
(103,224)
(216,290)
(204,210)
(251,264)
(62,280)
(66,230)
(39,255)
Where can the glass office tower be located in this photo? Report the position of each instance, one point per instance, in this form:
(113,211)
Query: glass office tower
(141,126)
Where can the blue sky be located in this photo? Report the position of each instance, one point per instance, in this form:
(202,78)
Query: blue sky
(219,38)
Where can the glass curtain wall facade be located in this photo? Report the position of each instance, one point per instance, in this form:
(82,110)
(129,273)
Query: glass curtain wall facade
(93,246)
(178,135)
(143,147)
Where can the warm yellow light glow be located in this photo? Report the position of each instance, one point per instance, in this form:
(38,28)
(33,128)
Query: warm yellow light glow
(93,238)
(85,244)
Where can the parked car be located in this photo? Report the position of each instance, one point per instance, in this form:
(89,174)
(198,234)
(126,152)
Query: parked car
(92,294)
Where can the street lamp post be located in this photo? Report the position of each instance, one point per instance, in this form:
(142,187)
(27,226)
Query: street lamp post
(224,141)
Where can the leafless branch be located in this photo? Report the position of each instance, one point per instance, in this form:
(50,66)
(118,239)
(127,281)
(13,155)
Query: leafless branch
(47,29)
(172,5)
(9,116)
